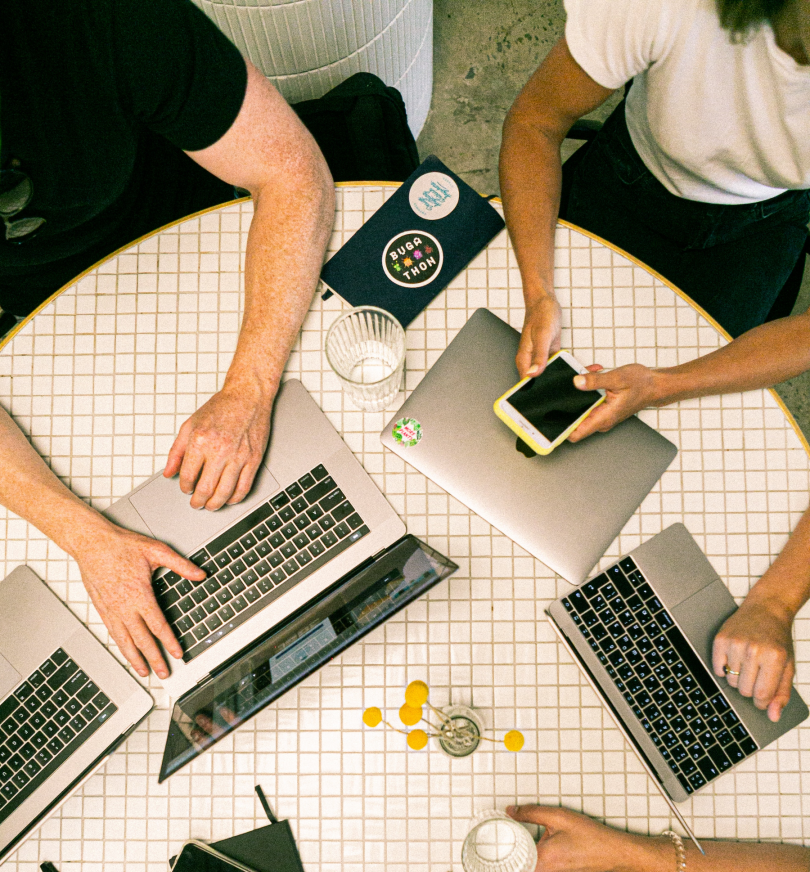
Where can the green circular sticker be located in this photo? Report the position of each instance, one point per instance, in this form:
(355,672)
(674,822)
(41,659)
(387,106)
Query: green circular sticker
(407,431)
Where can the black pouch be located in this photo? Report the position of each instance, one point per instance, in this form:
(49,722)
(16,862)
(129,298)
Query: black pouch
(362,129)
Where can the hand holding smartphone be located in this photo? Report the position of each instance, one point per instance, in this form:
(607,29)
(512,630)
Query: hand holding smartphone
(544,410)
(199,857)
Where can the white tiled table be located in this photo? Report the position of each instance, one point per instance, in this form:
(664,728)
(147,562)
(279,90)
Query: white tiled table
(103,377)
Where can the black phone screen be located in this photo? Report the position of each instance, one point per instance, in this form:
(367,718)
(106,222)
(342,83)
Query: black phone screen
(550,402)
(195,859)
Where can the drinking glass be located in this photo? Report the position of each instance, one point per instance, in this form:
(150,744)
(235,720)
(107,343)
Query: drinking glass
(366,349)
(496,843)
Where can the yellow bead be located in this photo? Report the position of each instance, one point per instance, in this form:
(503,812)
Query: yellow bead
(409,715)
(416,694)
(417,739)
(513,740)
(372,716)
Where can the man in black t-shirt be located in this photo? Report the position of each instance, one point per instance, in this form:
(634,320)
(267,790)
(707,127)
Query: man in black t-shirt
(126,115)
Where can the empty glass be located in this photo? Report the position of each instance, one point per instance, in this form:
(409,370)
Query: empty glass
(366,350)
(496,843)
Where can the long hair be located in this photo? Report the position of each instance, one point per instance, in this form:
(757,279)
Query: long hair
(743,16)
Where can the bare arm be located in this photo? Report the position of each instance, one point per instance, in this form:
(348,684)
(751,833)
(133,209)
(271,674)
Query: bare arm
(558,93)
(268,151)
(755,641)
(574,843)
(116,564)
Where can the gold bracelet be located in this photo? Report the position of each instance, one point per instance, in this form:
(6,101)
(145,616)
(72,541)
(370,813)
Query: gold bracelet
(680,853)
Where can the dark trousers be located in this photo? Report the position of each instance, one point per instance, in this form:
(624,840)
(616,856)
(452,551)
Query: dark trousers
(731,260)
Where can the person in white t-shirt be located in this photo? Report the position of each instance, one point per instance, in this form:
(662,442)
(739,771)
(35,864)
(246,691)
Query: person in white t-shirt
(703,174)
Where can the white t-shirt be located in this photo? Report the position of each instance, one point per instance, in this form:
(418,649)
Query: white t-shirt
(713,120)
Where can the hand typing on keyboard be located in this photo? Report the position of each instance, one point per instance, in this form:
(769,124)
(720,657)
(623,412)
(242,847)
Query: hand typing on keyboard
(117,567)
(219,448)
(756,643)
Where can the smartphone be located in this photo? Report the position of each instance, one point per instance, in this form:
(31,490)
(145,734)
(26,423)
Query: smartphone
(199,857)
(544,410)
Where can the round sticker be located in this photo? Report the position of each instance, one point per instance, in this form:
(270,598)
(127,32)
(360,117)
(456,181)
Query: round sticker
(407,431)
(412,259)
(433,196)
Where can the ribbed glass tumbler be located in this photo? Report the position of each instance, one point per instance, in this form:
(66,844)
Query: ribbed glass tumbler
(366,349)
(496,843)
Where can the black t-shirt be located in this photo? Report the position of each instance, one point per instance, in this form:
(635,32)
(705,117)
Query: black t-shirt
(98,98)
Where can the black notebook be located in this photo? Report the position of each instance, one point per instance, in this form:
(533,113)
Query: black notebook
(267,849)
(414,245)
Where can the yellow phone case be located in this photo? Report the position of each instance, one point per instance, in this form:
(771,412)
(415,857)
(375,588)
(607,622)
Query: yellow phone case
(515,427)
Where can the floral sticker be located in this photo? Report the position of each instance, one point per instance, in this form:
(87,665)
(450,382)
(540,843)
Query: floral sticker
(407,431)
(433,196)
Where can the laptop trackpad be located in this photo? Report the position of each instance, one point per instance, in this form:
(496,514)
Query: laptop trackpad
(165,510)
(9,677)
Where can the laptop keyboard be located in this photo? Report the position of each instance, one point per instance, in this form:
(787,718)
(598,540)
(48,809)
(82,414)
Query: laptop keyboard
(54,711)
(674,696)
(261,557)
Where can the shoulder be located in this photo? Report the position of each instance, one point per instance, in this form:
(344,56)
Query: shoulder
(621,38)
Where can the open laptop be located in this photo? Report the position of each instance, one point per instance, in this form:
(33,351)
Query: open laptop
(642,633)
(313,527)
(565,508)
(65,705)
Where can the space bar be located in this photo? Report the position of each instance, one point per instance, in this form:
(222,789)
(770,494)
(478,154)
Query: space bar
(276,592)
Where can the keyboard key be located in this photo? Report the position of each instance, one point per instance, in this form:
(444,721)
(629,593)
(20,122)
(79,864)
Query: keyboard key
(288,549)
(239,604)
(237,586)
(329,539)
(226,614)
(329,502)
(294,490)
(252,594)
(213,622)
(65,671)
(222,559)
(300,505)
(250,577)
(237,567)
(303,557)
(314,512)
(287,514)
(235,550)
(290,567)
(252,558)
(200,632)
(707,768)
(319,473)
(306,481)
(263,568)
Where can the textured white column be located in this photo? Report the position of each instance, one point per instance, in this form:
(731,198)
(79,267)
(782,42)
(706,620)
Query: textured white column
(306,47)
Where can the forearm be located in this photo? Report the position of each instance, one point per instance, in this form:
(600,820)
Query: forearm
(530,178)
(760,358)
(285,250)
(786,584)
(30,489)
(658,855)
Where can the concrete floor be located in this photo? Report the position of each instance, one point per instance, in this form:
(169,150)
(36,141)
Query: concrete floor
(483,54)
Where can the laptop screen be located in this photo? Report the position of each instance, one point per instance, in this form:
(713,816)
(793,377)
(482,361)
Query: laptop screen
(299,646)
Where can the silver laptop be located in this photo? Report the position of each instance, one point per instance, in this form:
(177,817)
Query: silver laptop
(65,705)
(565,508)
(312,516)
(642,633)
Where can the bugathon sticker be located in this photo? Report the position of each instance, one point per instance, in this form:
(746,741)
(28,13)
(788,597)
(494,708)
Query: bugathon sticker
(407,431)
(413,259)
(433,196)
